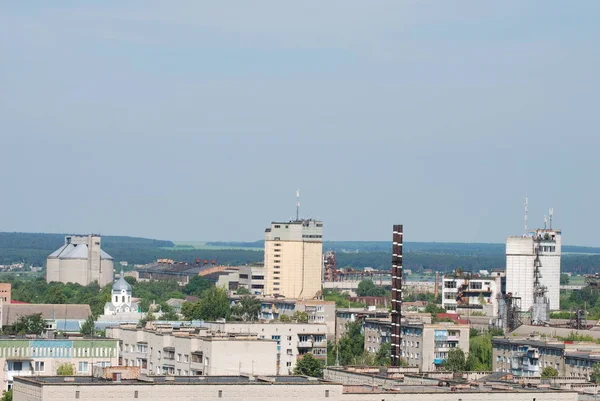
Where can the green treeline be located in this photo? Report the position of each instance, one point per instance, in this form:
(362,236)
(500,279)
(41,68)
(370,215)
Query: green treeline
(34,248)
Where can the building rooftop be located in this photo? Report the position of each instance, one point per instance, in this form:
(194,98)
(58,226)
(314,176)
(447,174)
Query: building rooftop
(169,380)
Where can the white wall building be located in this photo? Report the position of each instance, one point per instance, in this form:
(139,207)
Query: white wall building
(80,260)
(293,339)
(194,352)
(294,259)
(479,293)
(521,254)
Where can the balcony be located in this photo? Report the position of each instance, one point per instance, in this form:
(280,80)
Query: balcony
(305,344)
(453,338)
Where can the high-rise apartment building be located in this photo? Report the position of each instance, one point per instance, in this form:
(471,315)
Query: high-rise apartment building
(530,259)
(294,258)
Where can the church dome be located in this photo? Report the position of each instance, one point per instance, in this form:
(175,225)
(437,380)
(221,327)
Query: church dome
(121,284)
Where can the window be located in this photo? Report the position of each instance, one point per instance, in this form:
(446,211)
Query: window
(277,226)
(220,393)
(17,366)
(449,284)
(77,394)
(83,367)
(123,298)
(135,394)
(244,276)
(288,364)
(476,285)
(326,393)
(39,366)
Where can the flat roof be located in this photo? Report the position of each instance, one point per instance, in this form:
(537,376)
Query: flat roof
(169,380)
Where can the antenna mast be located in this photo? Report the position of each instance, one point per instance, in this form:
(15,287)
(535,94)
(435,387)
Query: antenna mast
(551,213)
(526,217)
(297,204)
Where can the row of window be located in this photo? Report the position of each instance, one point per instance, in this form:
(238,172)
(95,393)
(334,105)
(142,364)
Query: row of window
(312,236)
(57,352)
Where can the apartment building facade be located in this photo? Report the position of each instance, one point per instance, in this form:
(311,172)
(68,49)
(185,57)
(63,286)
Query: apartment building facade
(528,357)
(293,263)
(165,350)
(42,357)
(293,340)
(343,316)
(252,278)
(426,346)
(318,311)
(466,291)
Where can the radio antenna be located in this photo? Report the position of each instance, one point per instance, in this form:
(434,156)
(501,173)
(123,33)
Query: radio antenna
(526,217)
(297,204)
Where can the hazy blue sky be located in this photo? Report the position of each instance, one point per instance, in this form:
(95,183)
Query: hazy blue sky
(193,120)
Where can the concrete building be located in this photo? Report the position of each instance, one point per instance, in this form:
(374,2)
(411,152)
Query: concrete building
(261,388)
(252,278)
(294,259)
(318,311)
(526,356)
(26,357)
(53,314)
(293,339)
(193,351)
(6,293)
(477,292)
(426,346)
(377,331)
(343,316)
(80,260)
(542,246)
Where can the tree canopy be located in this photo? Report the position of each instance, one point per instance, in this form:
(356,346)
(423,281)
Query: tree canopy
(366,288)
(213,305)
(456,361)
(308,365)
(247,309)
(549,372)
(28,324)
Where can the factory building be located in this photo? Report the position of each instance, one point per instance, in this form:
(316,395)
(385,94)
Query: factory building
(476,292)
(294,259)
(80,260)
(533,263)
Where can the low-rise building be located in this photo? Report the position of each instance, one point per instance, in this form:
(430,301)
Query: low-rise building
(251,388)
(52,313)
(427,345)
(318,311)
(293,339)
(525,356)
(42,357)
(252,277)
(377,331)
(473,291)
(191,351)
(343,316)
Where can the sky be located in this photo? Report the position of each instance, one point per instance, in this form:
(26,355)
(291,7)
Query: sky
(198,120)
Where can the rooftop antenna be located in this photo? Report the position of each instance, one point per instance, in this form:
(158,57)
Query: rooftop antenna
(551,213)
(545,222)
(526,217)
(297,204)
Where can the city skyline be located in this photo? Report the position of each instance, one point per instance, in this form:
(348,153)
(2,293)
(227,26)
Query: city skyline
(198,122)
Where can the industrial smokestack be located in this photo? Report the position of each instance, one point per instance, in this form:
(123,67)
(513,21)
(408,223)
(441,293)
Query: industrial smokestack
(396,293)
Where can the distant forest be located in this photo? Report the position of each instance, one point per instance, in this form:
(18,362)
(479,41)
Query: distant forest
(34,248)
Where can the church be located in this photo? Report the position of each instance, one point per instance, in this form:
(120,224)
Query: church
(120,302)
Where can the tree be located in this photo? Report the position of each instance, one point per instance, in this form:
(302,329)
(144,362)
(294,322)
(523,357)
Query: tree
(148,317)
(285,318)
(247,309)
(383,357)
(196,286)
(7,395)
(366,288)
(65,369)
(456,361)
(480,353)
(213,305)
(308,365)
(29,324)
(300,317)
(243,291)
(549,372)
(564,279)
(351,344)
(596,373)
(167,312)
(88,327)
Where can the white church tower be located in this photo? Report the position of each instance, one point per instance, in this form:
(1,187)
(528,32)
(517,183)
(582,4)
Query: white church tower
(120,301)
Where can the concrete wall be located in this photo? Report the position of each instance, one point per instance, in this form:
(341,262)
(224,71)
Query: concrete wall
(305,392)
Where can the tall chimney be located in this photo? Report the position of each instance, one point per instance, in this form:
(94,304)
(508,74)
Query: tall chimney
(436,287)
(396,293)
